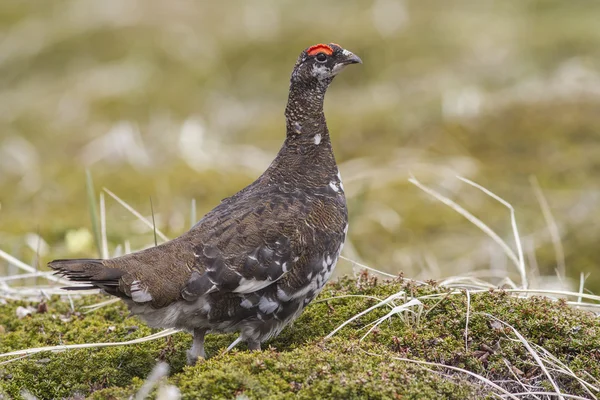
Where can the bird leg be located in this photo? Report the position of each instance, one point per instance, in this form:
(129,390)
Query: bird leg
(197,349)
(253,345)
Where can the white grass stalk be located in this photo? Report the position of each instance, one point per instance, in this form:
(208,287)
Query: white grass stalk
(159,371)
(396,310)
(582,279)
(513,221)
(103,227)
(20,264)
(137,214)
(467,319)
(561,268)
(25,276)
(533,353)
(192,213)
(362,296)
(551,394)
(93,307)
(368,310)
(233,344)
(369,268)
(510,369)
(474,220)
(564,369)
(488,382)
(35,350)
(127,246)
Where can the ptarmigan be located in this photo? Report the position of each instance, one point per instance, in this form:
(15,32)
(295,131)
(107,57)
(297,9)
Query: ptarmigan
(255,261)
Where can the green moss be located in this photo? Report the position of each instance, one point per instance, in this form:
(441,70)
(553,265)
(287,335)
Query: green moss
(300,363)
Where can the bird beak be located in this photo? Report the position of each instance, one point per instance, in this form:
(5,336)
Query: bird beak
(351,58)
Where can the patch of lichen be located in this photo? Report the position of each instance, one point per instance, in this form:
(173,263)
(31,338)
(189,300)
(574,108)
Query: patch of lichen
(300,362)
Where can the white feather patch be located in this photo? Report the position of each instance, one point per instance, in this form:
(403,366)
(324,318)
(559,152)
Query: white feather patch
(267,305)
(138,294)
(251,285)
(321,71)
(317,138)
(333,185)
(282,295)
(246,303)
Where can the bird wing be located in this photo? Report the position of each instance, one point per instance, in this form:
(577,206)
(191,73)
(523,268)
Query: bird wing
(246,248)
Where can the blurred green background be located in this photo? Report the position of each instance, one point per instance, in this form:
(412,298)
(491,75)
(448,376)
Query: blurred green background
(181,100)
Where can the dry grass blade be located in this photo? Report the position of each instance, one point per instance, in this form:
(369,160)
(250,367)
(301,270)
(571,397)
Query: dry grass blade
(91,195)
(551,394)
(25,276)
(467,320)
(582,279)
(159,371)
(561,268)
(557,292)
(35,350)
(474,220)
(483,379)
(192,213)
(232,345)
(369,268)
(153,222)
(362,296)
(97,306)
(103,226)
(396,310)
(533,353)
(513,221)
(20,264)
(466,282)
(137,214)
(516,378)
(368,310)
(562,368)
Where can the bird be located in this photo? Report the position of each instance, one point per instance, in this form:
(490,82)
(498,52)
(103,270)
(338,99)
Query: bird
(253,263)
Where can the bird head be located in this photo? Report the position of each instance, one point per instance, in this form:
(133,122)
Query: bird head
(322,62)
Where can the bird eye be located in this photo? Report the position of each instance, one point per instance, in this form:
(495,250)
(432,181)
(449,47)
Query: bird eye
(321,57)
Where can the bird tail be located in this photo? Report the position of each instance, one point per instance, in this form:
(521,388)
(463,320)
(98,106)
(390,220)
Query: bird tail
(90,271)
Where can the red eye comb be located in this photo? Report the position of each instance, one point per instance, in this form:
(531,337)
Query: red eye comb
(319,48)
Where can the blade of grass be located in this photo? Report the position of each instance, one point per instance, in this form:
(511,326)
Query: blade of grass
(457,369)
(368,310)
(20,264)
(532,352)
(467,320)
(193,213)
(91,195)
(474,220)
(513,221)
(163,333)
(559,252)
(137,214)
(103,226)
(153,222)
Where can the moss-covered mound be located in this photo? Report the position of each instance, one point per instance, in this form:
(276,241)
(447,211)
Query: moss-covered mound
(300,363)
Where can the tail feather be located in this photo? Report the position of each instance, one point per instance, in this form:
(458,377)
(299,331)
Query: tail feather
(91,271)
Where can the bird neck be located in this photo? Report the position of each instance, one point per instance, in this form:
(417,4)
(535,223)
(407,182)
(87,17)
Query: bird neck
(305,120)
(306,157)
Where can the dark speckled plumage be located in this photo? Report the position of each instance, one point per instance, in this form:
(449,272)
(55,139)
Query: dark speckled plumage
(258,258)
